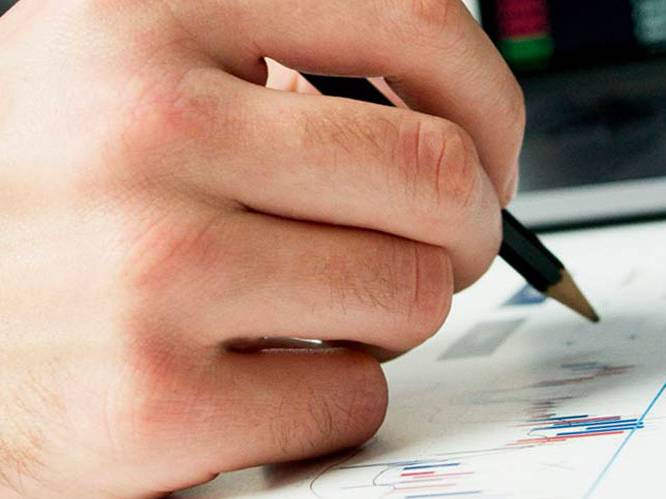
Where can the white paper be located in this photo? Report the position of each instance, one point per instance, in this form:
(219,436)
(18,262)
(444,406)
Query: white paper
(536,403)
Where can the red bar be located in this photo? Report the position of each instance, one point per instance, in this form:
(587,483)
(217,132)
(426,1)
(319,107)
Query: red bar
(547,440)
(417,473)
(620,432)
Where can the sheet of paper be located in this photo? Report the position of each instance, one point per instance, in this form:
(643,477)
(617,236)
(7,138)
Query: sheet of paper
(517,397)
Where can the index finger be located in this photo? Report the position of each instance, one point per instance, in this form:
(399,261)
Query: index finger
(432,52)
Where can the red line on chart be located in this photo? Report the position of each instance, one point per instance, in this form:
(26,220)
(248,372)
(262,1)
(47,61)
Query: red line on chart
(546,440)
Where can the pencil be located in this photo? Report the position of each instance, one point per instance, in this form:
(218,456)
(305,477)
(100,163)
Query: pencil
(521,248)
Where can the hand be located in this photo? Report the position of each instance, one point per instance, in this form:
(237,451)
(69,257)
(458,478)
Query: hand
(158,202)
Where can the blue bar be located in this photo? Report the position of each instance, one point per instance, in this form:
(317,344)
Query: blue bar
(604,422)
(611,422)
(445,494)
(424,466)
(626,425)
(590,423)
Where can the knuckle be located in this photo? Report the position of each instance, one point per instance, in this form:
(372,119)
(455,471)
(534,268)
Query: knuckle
(429,18)
(412,282)
(414,152)
(167,110)
(429,11)
(157,386)
(458,173)
(439,166)
(431,290)
(166,253)
(171,119)
(403,283)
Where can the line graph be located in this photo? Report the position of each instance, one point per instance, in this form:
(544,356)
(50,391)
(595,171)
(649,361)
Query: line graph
(548,414)
(563,428)
(465,472)
(404,479)
(590,492)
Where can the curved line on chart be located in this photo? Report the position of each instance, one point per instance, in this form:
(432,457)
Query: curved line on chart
(328,468)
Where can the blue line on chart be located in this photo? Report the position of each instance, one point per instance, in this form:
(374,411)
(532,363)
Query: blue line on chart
(606,422)
(615,455)
(601,430)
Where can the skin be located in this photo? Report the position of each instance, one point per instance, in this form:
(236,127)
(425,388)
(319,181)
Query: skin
(159,202)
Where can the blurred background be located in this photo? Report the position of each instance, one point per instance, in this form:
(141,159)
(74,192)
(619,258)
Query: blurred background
(594,75)
(5,4)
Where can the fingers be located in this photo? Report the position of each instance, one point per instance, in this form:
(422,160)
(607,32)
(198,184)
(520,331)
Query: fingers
(342,162)
(302,405)
(251,409)
(259,276)
(431,51)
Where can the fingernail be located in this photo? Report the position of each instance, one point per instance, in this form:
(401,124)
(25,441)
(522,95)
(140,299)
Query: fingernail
(512,186)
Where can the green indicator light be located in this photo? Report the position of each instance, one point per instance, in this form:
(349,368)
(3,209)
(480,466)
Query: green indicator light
(528,52)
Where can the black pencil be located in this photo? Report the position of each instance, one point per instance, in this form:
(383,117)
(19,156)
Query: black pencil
(521,248)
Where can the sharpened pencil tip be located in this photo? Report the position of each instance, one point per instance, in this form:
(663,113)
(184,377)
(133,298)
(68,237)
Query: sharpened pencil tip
(595,317)
(567,292)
